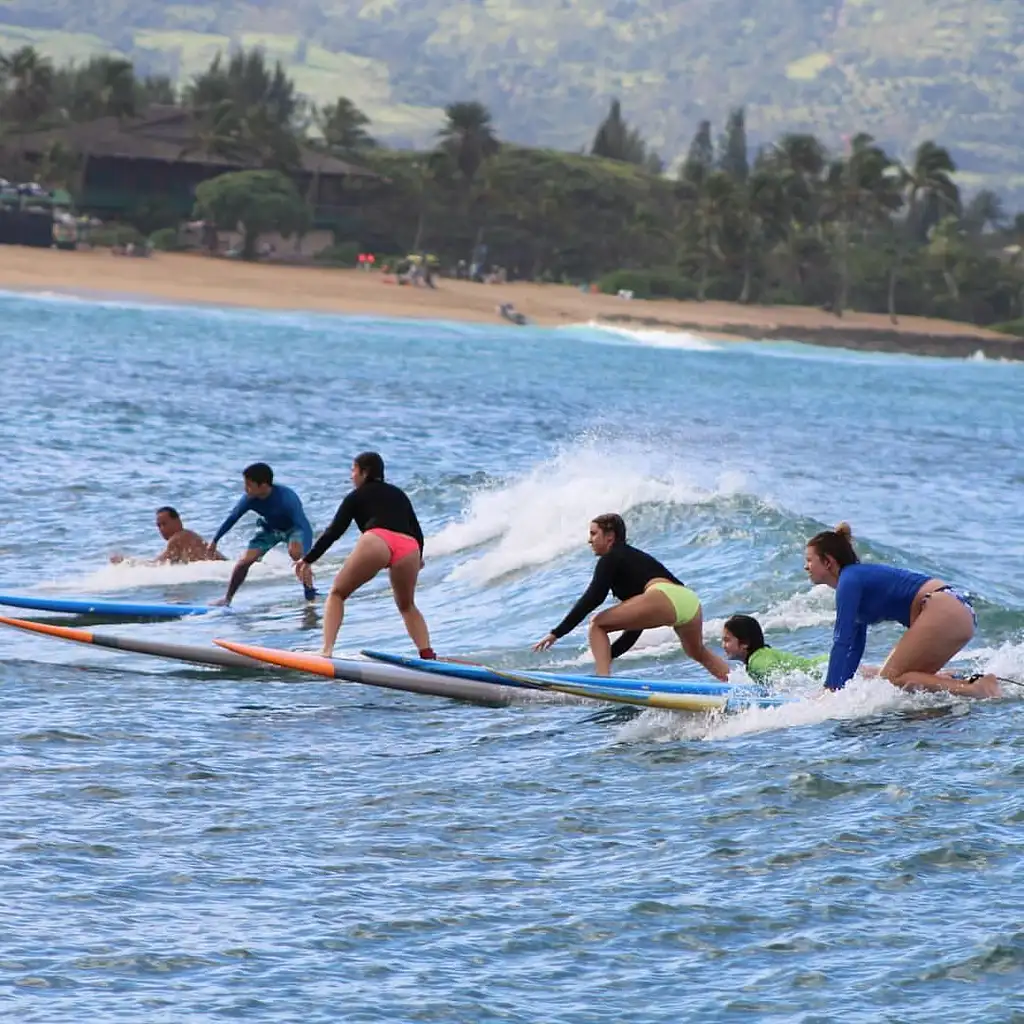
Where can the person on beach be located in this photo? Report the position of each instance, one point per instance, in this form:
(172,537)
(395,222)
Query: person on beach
(282,521)
(182,545)
(743,640)
(651,596)
(939,618)
(391,539)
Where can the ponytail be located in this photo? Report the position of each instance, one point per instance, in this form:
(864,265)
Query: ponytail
(836,544)
(371,464)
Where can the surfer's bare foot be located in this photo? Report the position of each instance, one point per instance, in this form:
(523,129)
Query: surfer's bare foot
(221,602)
(325,653)
(987,686)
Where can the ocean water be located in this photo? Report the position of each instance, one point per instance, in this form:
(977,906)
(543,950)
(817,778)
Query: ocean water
(180,843)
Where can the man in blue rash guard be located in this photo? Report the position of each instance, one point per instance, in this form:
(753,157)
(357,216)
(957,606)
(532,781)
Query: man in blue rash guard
(282,521)
(939,619)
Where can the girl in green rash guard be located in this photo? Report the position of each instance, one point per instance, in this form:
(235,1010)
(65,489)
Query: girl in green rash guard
(743,640)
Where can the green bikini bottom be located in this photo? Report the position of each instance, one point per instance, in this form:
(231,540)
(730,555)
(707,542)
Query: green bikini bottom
(684,601)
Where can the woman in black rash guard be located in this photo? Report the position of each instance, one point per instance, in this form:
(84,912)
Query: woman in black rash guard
(651,596)
(392,540)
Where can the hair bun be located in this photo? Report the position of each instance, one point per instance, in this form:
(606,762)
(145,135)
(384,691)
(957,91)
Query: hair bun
(844,530)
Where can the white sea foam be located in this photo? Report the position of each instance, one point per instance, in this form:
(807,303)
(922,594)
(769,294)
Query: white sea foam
(1006,660)
(535,518)
(100,299)
(978,356)
(648,337)
(131,575)
(814,607)
(861,698)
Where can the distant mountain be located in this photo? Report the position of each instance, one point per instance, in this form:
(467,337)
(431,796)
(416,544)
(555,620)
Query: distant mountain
(903,70)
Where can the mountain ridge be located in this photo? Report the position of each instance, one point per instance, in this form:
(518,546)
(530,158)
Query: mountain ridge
(903,71)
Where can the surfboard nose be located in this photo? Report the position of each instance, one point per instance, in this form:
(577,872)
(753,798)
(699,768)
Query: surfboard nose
(65,632)
(312,663)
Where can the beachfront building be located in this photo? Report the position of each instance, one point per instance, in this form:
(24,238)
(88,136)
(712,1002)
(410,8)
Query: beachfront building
(155,161)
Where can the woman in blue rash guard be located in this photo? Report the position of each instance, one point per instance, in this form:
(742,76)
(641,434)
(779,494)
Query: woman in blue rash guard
(939,618)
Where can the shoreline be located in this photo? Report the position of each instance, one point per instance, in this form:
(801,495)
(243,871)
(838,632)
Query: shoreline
(872,339)
(199,280)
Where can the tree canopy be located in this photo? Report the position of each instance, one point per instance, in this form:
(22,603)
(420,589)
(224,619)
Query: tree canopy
(791,222)
(258,202)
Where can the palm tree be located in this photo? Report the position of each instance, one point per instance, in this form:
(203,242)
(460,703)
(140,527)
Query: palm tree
(933,194)
(157,89)
(104,87)
(983,211)
(860,192)
(763,210)
(715,204)
(343,126)
(946,247)
(427,173)
(29,77)
(117,88)
(468,136)
(798,160)
(468,141)
(246,111)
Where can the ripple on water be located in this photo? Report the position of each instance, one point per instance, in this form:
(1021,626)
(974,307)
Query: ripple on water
(190,844)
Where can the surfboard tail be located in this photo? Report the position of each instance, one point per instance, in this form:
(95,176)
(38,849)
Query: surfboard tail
(312,663)
(64,632)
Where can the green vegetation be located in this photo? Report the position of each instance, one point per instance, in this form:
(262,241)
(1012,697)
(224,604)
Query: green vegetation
(788,222)
(648,284)
(166,240)
(1014,327)
(903,70)
(257,201)
(342,254)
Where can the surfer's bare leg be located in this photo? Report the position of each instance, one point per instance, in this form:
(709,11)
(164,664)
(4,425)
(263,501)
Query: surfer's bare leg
(404,574)
(691,636)
(295,553)
(941,630)
(241,570)
(368,557)
(646,611)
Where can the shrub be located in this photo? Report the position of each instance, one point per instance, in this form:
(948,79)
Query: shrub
(648,284)
(110,235)
(166,240)
(341,254)
(1014,327)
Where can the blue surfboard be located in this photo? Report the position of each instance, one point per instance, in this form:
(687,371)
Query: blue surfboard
(120,609)
(663,693)
(677,697)
(481,673)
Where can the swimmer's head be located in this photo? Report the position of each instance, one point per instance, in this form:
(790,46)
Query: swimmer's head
(367,466)
(259,478)
(168,522)
(741,636)
(606,531)
(828,553)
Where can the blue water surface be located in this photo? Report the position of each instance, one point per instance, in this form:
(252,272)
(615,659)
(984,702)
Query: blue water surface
(180,843)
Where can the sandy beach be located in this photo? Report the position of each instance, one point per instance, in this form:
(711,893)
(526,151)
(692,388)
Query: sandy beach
(192,278)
